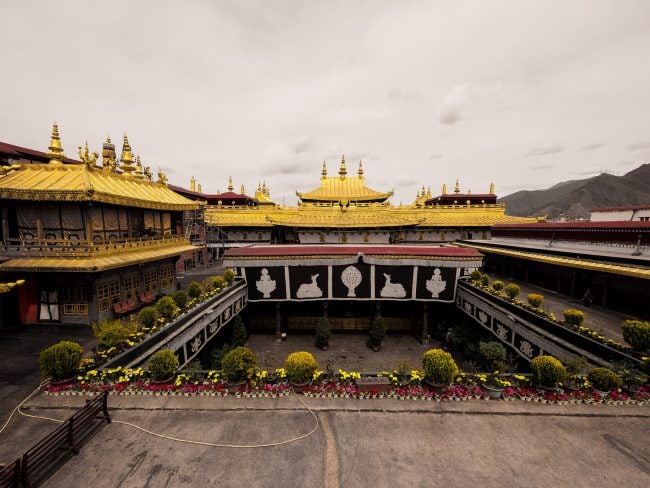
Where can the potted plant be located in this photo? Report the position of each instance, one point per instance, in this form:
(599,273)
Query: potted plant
(547,372)
(604,380)
(376,334)
(535,299)
(494,384)
(238,367)
(323,334)
(497,286)
(573,317)
(637,334)
(512,291)
(162,366)
(300,368)
(61,361)
(439,367)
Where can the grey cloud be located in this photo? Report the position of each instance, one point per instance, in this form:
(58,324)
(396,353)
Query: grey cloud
(301,146)
(591,147)
(436,156)
(542,166)
(639,145)
(450,115)
(544,151)
(401,94)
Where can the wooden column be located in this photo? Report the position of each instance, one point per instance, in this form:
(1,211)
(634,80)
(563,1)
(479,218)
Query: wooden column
(573,282)
(426,338)
(5,224)
(278,323)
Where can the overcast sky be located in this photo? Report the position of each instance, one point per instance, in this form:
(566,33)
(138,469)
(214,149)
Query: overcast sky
(522,93)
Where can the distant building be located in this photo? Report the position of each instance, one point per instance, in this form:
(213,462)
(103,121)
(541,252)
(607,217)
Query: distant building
(632,213)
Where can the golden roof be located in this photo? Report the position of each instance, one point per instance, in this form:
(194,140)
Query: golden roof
(339,217)
(80,183)
(343,188)
(237,217)
(636,272)
(97,261)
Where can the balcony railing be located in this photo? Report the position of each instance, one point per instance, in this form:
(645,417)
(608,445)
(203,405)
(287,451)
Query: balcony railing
(15,248)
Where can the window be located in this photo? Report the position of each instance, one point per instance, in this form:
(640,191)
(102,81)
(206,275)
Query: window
(131,287)
(644,219)
(167,277)
(75,300)
(151,282)
(107,295)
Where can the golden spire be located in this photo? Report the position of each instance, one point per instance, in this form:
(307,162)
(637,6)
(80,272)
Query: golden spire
(360,169)
(139,173)
(192,184)
(56,151)
(242,190)
(323,172)
(444,188)
(108,155)
(469,192)
(491,188)
(428,192)
(457,187)
(422,193)
(230,186)
(127,158)
(259,186)
(342,170)
(268,190)
(199,188)
(264,187)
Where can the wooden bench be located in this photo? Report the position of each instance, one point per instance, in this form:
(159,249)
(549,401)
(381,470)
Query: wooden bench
(147,297)
(126,306)
(39,462)
(10,475)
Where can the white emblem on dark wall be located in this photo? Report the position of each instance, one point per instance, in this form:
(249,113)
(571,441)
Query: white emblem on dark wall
(265,285)
(436,284)
(310,290)
(351,278)
(392,290)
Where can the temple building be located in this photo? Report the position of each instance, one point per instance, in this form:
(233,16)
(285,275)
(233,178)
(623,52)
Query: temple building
(86,241)
(344,210)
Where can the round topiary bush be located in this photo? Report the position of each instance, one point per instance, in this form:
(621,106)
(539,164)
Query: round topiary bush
(229,275)
(148,316)
(535,299)
(493,354)
(439,367)
(194,289)
(574,317)
(111,332)
(300,367)
(497,286)
(218,282)
(163,365)
(239,364)
(604,379)
(61,361)
(512,291)
(166,307)
(475,275)
(323,333)
(180,298)
(485,280)
(637,334)
(547,371)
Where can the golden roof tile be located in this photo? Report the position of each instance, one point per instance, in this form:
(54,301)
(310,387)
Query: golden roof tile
(342,188)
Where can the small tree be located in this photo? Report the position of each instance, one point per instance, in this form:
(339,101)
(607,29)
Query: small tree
(218,282)
(229,275)
(323,333)
(497,286)
(512,291)
(637,334)
(574,317)
(485,280)
(439,367)
(180,298)
(547,371)
(239,364)
(194,289)
(163,365)
(61,361)
(300,367)
(111,332)
(475,275)
(239,333)
(377,333)
(604,379)
(493,354)
(166,307)
(535,299)
(148,316)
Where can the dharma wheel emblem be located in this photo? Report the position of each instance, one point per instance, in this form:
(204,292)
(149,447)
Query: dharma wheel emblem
(265,285)
(351,278)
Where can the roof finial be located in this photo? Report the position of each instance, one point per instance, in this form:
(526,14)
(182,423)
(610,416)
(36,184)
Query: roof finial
(259,185)
(139,172)
(428,192)
(444,188)
(469,192)
(230,186)
(342,170)
(422,193)
(243,192)
(86,157)
(323,172)
(162,177)
(457,187)
(491,188)
(199,188)
(360,169)
(56,151)
(108,155)
(268,190)
(264,187)
(192,184)
(127,158)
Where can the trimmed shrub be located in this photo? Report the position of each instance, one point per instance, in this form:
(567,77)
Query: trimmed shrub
(194,289)
(216,357)
(637,334)
(574,317)
(512,291)
(111,332)
(180,298)
(300,367)
(547,371)
(439,367)
(493,354)
(163,365)
(239,364)
(323,333)
(218,282)
(239,333)
(497,286)
(377,331)
(148,316)
(475,275)
(535,299)
(166,307)
(485,280)
(61,361)
(229,275)
(604,379)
